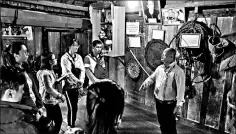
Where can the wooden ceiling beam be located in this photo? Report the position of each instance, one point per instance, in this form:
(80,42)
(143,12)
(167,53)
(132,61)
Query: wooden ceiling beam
(54,4)
(31,18)
(201,3)
(48,7)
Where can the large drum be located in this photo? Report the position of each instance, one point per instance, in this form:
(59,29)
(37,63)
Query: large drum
(153,52)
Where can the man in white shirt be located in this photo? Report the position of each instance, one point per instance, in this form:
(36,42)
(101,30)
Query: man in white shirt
(169,90)
(72,64)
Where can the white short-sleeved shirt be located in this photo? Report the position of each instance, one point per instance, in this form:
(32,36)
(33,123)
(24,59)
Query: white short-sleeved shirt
(91,63)
(46,97)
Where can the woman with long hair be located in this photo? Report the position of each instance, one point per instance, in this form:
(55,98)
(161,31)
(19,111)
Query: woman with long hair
(47,88)
(105,105)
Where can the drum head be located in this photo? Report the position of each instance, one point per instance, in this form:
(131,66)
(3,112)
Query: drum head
(153,52)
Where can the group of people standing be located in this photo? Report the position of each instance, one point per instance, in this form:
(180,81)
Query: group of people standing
(30,103)
(33,99)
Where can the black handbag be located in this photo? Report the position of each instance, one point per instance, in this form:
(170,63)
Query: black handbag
(76,72)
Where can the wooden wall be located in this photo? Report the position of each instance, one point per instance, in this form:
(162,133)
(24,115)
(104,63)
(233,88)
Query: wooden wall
(208,108)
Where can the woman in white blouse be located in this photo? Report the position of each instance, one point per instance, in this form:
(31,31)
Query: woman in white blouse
(50,95)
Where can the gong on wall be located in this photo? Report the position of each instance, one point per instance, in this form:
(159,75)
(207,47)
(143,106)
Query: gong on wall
(153,52)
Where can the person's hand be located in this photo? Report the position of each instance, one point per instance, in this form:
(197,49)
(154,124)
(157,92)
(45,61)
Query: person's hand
(63,98)
(177,110)
(38,116)
(42,111)
(80,84)
(143,86)
(145,17)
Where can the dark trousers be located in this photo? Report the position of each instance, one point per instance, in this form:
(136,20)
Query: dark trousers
(166,117)
(72,97)
(54,113)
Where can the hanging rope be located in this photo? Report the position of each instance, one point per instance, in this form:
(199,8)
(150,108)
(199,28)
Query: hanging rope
(139,62)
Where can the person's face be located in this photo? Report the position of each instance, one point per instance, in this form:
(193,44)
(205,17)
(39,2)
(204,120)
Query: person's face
(23,55)
(167,57)
(13,95)
(74,47)
(53,60)
(98,49)
(150,5)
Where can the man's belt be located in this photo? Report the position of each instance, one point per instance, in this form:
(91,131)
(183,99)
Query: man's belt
(166,101)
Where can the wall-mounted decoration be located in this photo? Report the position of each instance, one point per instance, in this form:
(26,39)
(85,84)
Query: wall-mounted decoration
(29,33)
(190,40)
(134,41)
(151,11)
(173,16)
(132,28)
(133,69)
(9,39)
(158,34)
(153,52)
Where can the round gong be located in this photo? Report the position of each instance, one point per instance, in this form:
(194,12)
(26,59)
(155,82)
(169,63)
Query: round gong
(133,69)
(153,52)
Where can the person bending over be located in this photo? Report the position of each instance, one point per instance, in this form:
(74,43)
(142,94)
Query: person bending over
(105,104)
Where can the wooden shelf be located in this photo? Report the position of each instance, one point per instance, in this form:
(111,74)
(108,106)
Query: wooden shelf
(202,3)
(106,23)
(14,37)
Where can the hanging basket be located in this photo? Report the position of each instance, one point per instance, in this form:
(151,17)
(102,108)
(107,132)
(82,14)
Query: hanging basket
(153,52)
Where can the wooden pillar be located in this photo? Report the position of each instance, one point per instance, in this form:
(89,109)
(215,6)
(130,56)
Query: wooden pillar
(112,68)
(1,45)
(45,45)
(89,48)
(121,73)
(231,111)
(205,98)
(38,33)
(226,88)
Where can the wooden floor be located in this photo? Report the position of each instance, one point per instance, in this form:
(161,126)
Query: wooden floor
(134,121)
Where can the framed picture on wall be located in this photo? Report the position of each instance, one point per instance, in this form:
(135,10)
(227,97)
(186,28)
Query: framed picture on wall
(134,41)
(151,10)
(190,40)
(173,16)
(158,34)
